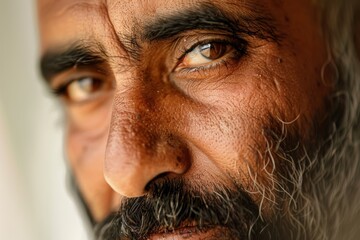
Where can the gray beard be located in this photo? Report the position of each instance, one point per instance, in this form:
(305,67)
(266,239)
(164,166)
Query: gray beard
(336,200)
(327,187)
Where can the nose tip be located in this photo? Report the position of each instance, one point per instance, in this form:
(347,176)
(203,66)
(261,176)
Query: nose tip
(130,167)
(131,181)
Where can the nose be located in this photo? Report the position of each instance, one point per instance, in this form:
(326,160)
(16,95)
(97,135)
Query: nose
(142,147)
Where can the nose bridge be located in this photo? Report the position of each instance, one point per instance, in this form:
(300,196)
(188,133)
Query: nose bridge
(141,146)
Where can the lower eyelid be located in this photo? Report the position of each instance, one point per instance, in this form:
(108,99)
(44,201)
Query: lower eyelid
(63,90)
(224,61)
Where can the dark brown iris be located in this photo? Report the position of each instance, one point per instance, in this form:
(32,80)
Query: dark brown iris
(90,85)
(213,51)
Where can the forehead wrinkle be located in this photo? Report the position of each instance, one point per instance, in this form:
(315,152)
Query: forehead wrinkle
(138,20)
(124,38)
(60,8)
(131,16)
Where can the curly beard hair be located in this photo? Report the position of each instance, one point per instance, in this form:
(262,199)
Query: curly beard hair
(332,196)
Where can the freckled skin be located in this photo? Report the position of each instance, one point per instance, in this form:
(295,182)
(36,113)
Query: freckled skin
(200,130)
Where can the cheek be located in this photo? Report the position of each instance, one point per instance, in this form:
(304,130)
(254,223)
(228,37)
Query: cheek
(260,97)
(290,88)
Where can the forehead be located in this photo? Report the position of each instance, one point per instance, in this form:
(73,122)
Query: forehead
(69,20)
(135,9)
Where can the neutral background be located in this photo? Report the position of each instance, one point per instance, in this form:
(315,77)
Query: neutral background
(35,203)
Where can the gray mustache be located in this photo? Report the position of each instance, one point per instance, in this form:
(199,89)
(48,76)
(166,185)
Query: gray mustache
(170,204)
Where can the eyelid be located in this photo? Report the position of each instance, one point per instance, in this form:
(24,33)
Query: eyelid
(61,89)
(60,85)
(206,71)
(72,93)
(239,49)
(100,70)
(203,42)
(62,80)
(189,42)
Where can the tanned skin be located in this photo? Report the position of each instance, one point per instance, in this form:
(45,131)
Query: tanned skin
(189,96)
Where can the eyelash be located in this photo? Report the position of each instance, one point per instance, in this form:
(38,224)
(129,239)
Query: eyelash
(238,45)
(204,69)
(62,89)
(203,42)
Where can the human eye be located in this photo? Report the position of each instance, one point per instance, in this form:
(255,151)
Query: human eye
(209,54)
(82,89)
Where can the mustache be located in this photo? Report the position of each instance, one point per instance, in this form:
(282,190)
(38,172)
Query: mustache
(171,204)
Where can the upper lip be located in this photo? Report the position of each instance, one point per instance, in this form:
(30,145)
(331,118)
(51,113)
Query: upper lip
(185,232)
(183,229)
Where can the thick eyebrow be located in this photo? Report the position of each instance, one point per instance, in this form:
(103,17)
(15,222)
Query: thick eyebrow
(207,16)
(79,54)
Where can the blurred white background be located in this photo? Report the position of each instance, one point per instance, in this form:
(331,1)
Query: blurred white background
(35,203)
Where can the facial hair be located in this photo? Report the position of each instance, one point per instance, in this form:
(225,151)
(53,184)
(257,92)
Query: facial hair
(301,170)
(172,204)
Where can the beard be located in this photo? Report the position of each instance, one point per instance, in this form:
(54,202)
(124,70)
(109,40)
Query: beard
(268,207)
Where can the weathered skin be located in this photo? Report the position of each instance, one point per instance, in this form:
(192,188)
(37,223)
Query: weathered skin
(152,119)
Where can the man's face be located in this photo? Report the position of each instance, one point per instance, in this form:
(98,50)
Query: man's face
(187,118)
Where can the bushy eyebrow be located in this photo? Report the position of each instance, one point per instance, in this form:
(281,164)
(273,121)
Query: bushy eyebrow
(207,16)
(78,54)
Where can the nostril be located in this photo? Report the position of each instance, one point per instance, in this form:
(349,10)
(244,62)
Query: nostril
(156,180)
(178,160)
